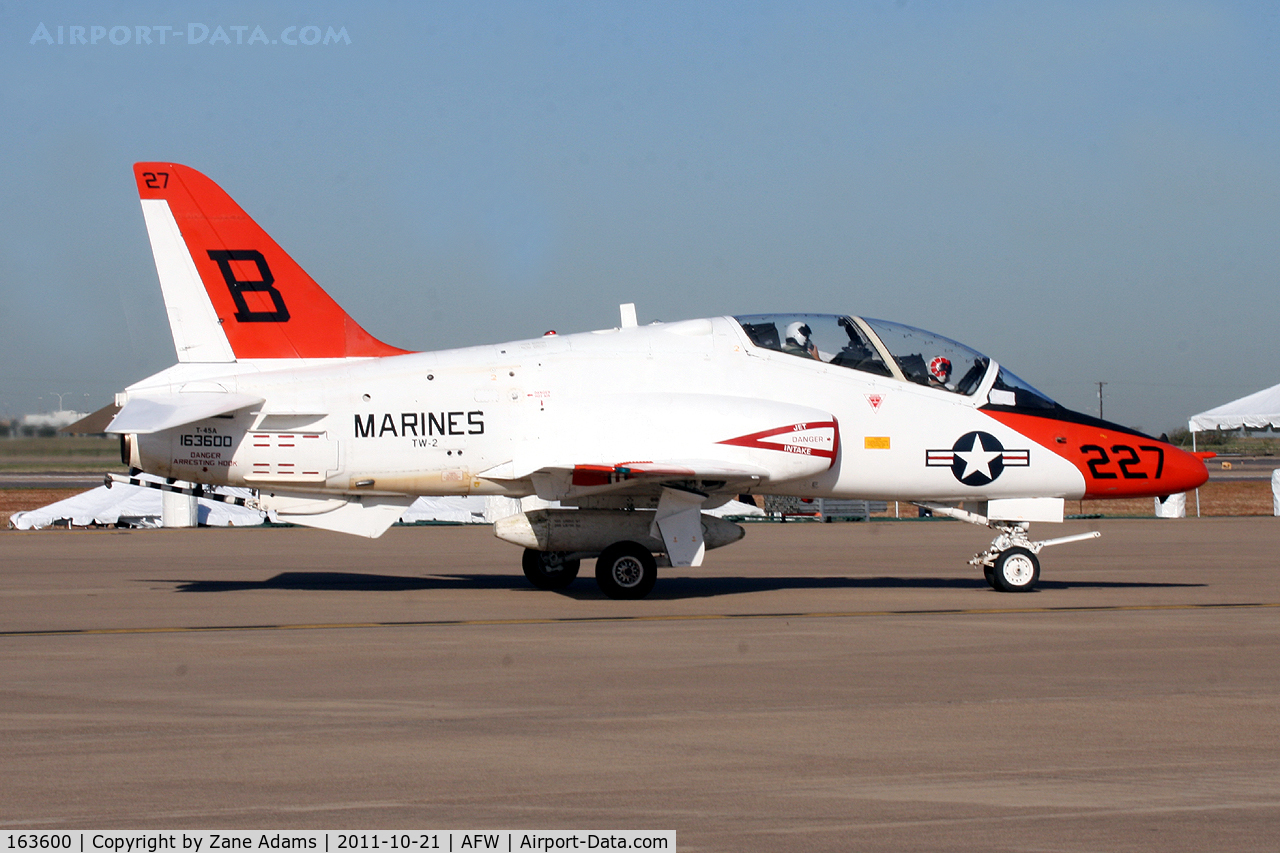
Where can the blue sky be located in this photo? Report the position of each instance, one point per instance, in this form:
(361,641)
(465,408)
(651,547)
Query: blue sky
(1084,191)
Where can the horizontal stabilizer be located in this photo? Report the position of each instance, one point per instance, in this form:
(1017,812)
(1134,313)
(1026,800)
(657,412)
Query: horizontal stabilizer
(92,424)
(155,413)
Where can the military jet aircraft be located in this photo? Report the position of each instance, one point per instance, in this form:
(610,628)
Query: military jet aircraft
(633,431)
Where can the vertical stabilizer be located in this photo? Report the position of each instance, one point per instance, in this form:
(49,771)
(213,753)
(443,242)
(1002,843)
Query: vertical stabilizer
(230,291)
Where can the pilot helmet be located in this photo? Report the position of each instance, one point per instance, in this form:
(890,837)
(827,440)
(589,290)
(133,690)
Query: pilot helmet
(799,332)
(940,369)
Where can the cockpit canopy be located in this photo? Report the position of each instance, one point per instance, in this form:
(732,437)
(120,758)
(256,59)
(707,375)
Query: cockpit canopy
(891,350)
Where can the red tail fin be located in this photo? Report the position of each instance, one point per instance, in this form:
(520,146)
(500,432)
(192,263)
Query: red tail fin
(263,302)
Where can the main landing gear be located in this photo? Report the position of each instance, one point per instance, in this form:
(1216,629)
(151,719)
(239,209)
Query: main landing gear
(1010,563)
(624,570)
(625,541)
(549,569)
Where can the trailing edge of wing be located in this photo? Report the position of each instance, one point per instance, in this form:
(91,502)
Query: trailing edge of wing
(154,413)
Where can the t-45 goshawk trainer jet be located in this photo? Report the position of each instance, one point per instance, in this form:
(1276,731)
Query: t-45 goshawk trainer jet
(634,431)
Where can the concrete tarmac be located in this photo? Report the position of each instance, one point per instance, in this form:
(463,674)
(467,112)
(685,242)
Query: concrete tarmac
(814,687)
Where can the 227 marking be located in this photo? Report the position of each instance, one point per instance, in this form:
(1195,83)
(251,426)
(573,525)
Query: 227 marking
(1126,459)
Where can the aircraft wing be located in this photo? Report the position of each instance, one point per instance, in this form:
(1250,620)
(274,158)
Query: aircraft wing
(157,411)
(637,443)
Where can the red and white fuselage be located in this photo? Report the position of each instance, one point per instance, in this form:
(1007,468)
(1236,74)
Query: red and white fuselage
(554,415)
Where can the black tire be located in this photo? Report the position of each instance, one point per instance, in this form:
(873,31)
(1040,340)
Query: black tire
(626,570)
(1016,570)
(549,569)
(990,574)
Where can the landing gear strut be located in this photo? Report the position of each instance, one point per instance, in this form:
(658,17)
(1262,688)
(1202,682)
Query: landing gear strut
(1010,563)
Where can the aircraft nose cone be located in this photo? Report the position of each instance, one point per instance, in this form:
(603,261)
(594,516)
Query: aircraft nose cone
(1183,471)
(1124,467)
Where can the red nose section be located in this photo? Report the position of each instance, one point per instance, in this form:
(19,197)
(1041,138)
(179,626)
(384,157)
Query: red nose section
(1115,462)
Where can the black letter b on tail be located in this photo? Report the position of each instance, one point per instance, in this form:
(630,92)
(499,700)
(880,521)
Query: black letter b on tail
(238,288)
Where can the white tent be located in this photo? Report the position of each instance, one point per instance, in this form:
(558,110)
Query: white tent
(135,506)
(1257,411)
(132,506)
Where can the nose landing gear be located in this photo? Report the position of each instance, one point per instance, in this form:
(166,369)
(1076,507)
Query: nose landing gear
(1010,563)
(1012,570)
